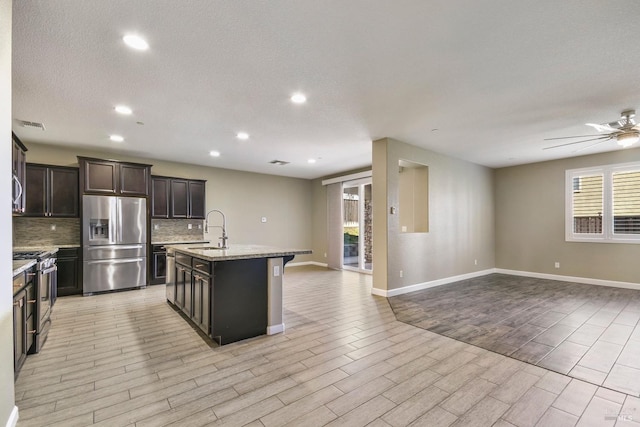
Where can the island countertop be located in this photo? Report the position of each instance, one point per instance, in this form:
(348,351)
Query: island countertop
(210,252)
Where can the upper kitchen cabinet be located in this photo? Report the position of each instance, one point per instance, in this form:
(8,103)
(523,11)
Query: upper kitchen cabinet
(52,191)
(177,198)
(160,187)
(19,158)
(112,177)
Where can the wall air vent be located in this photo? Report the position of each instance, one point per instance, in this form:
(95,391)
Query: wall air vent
(279,162)
(31,125)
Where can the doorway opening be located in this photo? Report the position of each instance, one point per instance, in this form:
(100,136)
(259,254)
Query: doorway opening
(357,226)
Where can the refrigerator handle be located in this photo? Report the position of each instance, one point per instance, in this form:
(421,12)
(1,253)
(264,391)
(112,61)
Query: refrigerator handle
(118,220)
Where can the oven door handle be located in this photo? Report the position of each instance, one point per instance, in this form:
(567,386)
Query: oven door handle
(49,270)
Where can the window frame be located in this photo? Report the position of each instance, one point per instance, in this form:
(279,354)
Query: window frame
(607,235)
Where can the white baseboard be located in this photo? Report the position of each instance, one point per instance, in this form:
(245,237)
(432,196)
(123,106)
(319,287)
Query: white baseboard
(13,418)
(572,279)
(297,264)
(425,285)
(275,329)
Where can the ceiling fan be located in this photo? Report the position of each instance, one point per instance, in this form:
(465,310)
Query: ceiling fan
(624,131)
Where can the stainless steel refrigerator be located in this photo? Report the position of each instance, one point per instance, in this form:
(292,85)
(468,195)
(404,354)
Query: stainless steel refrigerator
(114,239)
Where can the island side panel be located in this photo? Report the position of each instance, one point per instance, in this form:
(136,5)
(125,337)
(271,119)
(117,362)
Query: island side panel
(239,299)
(275,270)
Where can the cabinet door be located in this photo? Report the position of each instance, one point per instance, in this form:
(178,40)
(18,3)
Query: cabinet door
(201,302)
(19,331)
(160,197)
(188,293)
(63,192)
(100,177)
(180,282)
(179,198)
(134,180)
(69,282)
(196,199)
(36,189)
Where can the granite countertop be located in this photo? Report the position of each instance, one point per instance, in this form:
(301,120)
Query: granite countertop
(177,242)
(235,251)
(52,249)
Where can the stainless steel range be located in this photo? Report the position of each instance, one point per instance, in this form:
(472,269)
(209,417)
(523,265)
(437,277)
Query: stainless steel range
(45,292)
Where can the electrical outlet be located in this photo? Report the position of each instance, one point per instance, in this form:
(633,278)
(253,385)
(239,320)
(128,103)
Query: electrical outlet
(156,226)
(190,226)
(199,226)
(401,273)
(276,270)
(53,227)
(404,228)
(557,264)
(325,254)
(475,262)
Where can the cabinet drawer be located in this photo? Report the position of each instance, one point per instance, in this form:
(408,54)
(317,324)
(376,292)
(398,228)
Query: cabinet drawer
(183,259)
(18,281)
(202,266)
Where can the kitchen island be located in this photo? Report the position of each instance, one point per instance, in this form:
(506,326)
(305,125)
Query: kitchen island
(230,294)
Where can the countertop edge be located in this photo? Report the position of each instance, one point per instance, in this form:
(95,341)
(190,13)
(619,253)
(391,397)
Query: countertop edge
(238,252)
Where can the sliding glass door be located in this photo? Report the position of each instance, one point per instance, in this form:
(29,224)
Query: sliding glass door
(357,225)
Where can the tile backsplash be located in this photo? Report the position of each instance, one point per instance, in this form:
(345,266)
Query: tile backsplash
(45,231)
(176,230)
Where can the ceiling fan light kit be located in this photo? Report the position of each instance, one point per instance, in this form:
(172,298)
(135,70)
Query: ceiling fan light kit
(627,139)
(624,131)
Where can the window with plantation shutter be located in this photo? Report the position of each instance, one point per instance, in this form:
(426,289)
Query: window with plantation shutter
(603,204)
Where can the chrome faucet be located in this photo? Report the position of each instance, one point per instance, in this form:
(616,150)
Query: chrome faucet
(224,236)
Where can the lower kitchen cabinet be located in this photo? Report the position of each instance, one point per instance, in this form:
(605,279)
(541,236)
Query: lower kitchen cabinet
(69,272)
(23,321)
(227,300)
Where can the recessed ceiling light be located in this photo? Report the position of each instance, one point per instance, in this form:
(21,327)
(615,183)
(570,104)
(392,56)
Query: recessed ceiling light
(298,98)
(242,135)
(123,109)
(214,153)
(136,42)
(116,138)
(311,161)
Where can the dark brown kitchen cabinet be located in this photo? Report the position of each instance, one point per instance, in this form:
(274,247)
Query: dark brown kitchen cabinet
(52,191)
(160,196)
(19,159)
(112,177)
(193,290)
(23,320)
(177,198)
(69,281)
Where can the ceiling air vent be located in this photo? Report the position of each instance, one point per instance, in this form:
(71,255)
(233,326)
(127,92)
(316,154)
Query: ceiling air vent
(31,125)
(279,162)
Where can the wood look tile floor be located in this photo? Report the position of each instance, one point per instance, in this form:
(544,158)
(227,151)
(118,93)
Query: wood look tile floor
(588,332)
(128,359)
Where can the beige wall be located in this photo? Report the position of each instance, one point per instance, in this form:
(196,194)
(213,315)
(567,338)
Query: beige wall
(461,219)
(244,198)
(7,398)
(530,235)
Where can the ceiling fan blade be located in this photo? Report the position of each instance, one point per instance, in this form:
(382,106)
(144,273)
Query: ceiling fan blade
(575,136)
(602,138)
(603,128)
(590,145)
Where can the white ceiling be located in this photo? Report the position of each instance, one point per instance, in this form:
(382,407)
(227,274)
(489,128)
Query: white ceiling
(494,77)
